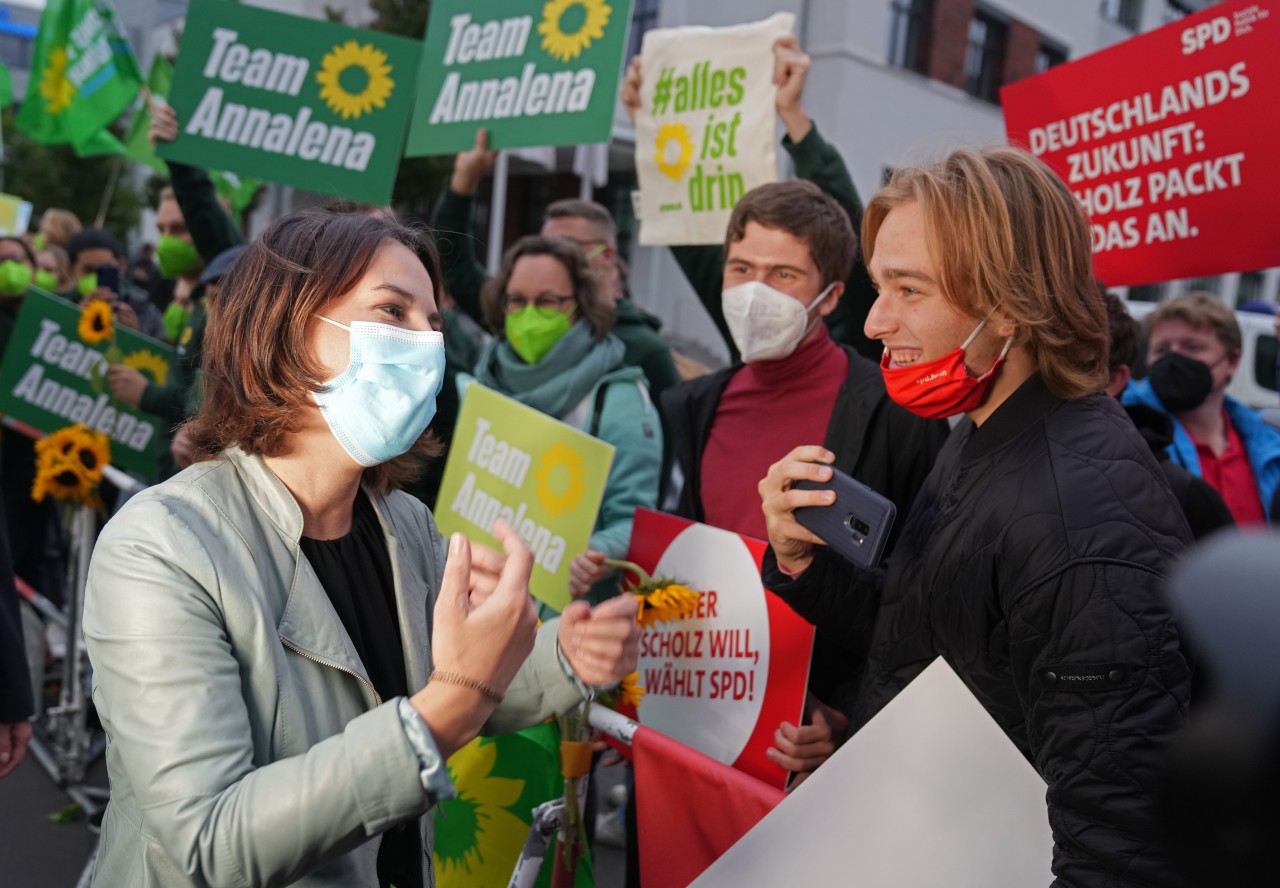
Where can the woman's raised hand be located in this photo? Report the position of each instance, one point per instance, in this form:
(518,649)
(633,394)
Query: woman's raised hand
(483,630)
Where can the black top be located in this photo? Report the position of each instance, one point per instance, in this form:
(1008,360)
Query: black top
(355,571)
(1033,561)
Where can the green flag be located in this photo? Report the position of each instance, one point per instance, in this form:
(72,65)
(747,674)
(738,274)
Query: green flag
(83,75)
(137,146)
(236,190)
(499,780)
(6,86)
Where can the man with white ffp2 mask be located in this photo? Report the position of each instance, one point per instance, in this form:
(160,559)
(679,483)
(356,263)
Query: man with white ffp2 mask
(788,250)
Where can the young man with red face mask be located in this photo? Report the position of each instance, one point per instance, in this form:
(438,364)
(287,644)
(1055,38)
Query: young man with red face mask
(788,251)
(1033,558)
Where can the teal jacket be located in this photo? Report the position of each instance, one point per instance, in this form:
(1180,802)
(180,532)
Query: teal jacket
(817,161)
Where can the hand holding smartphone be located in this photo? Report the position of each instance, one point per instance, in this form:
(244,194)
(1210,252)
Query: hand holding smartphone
(856,525)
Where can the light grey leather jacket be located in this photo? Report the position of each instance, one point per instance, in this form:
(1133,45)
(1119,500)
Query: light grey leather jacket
(246,745)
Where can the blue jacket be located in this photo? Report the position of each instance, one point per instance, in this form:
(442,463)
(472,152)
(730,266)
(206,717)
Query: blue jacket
(1261,440)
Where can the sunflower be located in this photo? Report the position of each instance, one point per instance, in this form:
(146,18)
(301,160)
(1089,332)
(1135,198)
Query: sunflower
(673,139)
(630,692)
(149,364)
(564,46)
(360,62)
(669,601)
(60,446)
(93,451)
(62,480)
(483,839)
(560,475)
(55,88)
(95,322)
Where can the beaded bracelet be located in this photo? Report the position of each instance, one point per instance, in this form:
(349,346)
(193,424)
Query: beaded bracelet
(458,678)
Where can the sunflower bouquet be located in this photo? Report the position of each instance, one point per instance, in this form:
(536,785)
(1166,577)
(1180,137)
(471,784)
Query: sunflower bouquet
(69,465)
(660,600)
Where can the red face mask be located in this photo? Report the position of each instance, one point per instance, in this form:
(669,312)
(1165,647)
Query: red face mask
(942,387)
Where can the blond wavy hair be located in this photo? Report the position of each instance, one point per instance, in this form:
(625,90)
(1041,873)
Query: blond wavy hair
(1006,235)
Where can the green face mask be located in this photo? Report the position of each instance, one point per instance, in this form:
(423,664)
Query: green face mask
(88,283)
(175,256)
(46,280)
(534,331)
(14,278)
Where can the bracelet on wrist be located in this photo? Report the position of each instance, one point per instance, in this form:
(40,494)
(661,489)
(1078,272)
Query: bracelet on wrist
(457,678)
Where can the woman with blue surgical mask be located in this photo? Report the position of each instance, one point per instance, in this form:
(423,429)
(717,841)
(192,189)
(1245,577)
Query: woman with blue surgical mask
(285,649)
(554,352)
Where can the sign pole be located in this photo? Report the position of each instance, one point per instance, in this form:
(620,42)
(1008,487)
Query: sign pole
(498,211)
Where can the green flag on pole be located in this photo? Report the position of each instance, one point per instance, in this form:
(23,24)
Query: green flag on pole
(238,191)
(83,76)
(137,147)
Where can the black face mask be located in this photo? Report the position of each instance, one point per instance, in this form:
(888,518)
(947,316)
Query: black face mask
(1181,383)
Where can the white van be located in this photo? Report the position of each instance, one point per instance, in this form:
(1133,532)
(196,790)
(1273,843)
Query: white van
(1255,382)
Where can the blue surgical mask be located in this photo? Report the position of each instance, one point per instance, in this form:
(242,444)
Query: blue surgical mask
(385,399)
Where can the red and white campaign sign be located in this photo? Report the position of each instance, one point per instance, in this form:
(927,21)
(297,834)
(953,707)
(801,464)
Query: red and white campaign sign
(722,681)
(1169,142)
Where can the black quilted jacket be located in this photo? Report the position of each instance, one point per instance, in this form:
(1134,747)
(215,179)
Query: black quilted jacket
(1033,561)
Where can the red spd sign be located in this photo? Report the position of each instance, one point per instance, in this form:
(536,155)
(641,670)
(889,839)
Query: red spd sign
(722,681)
(1169,141)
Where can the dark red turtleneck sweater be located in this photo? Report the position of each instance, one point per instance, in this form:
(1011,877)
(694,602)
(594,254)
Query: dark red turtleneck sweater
(768,408)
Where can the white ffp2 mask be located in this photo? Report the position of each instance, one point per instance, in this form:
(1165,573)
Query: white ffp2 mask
(767,324)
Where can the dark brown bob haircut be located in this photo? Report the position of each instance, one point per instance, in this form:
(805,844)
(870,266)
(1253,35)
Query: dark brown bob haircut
(598,311)
(259,373)
(806,212)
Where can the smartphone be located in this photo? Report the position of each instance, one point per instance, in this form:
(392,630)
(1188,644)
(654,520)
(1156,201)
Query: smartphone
(856,525)
(109,277)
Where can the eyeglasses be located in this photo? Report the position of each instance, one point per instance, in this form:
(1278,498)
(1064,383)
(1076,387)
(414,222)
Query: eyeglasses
(547,300)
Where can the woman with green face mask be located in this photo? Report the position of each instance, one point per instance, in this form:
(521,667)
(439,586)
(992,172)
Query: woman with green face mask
(17,269)
(554,352)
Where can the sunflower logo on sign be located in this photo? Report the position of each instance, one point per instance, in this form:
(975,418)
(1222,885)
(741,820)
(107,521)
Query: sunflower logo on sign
(149,364)
(674,150)
(56,89)
(560,486)
(565,46)
(484,836)
(354,79)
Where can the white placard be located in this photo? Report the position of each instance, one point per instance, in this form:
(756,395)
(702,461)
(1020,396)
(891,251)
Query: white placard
(930,792)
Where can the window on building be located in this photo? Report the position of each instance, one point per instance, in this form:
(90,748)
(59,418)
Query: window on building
(644,15)
(1146,293)
(984,63)
(1126,13)
(1249,288)
(1049,55)
(15,50)
(1207,284)
(909,34)
(1174,10)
